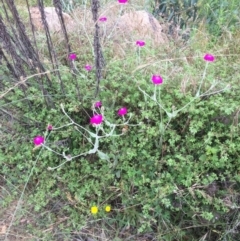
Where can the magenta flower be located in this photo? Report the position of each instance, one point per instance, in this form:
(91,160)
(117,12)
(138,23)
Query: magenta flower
(157,79)
(209,58)
(140,43)
(38,140)
(98,104)
(122,111)
(103,19)
(96,119)
(50,127)
(72,56)
(88,67)
(122,1)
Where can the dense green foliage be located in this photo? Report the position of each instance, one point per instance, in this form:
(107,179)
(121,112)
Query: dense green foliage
(220,15)
(177,12)
(161,171)
(174,173)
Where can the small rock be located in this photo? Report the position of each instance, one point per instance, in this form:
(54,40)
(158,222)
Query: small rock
(142,25)
(51,18)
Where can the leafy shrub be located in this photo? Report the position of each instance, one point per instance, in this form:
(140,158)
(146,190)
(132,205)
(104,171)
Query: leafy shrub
(177,12)
(221,16)
(160,169)
(172,170)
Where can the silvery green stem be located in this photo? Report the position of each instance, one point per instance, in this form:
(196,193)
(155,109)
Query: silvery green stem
(69,124)
(139,57)
(19,202)
(67,160)
(94,135)
(89,139)
(120,12)
(155,93)
(50,149)
(104,31)
(161,125)
(204,74)
(154,99)
(89,132)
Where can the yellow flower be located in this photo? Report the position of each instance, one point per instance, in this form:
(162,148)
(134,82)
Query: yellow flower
(94,209)
(108,208)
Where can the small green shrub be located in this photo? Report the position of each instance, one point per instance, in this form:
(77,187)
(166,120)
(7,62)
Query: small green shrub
(163,168)
(221,16)
(171,170)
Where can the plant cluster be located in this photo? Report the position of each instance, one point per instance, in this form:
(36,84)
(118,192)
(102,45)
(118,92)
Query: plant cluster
(155,152)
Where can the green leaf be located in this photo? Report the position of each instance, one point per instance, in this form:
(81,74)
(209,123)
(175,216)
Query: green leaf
(103,156)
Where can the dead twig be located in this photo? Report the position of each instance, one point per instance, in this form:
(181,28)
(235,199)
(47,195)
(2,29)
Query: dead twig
(23,81)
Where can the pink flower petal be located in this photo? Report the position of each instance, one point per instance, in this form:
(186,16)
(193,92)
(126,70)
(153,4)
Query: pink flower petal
(72,56)
(88,67)
(157,79)
(96,119)
(122,1)
(50,127)
(209,58)
(103,19)
(38,140)
(122,111)
(140,43)
(98,104)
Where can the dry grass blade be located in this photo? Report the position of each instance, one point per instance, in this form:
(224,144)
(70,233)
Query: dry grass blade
(23,82)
